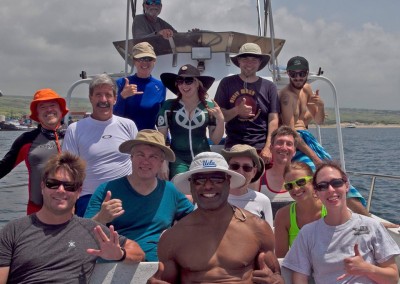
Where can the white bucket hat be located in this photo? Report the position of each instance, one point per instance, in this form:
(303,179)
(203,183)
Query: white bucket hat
(207,162)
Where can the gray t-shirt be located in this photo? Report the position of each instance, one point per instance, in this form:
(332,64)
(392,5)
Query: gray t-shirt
(320,249)
(141,27)
(41,253)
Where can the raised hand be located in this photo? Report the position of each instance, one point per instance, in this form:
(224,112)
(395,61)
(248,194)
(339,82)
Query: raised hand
(354,265)
(110,209)
(216,112)
(129,90)
(315,99)
(156,278)
(244,110)
(109,247)
(264,274)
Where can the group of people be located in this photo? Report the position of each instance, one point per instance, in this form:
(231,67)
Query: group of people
(140,171)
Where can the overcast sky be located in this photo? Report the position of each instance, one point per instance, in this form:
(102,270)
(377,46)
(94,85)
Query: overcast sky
(46,43)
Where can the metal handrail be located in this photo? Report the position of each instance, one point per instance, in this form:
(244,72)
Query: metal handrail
(373,180)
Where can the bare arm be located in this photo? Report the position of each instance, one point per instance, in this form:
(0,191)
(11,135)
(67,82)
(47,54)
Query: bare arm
(241,110)
(273,122)
(299,278)
(315,104)
(355,205)
(170,271)
(134,252)
(4,271)
(281,232)
(110,209)
(217,131)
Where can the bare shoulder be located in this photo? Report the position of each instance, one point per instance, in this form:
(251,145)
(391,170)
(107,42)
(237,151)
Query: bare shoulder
(282,216)
(307,89)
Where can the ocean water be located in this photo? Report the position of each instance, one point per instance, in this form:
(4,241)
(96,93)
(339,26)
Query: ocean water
(373,150)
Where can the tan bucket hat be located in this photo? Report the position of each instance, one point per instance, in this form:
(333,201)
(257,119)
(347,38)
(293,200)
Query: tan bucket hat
(149,137)
(251,49)
(241,150)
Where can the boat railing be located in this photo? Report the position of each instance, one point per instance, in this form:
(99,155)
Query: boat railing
(373,177)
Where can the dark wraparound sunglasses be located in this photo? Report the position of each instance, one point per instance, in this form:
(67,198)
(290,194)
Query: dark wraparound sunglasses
(55,184)
(202,179)
(324,185)
(294,74)
(186,80)
(246,168)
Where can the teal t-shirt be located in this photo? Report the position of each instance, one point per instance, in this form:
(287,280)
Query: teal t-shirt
(146,216)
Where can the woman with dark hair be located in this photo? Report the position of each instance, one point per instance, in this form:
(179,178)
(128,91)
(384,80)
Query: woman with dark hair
(306,208)
(343,247)
(188,117)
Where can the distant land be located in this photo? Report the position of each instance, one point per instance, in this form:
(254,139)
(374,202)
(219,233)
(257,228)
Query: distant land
(17,106)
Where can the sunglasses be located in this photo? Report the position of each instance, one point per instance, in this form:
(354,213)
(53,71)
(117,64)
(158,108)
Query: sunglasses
(186,80)
(294,74)
(300,182)
(145,59)
(246,168)
(324,185)
(202,179)
(153,2)
(55,184)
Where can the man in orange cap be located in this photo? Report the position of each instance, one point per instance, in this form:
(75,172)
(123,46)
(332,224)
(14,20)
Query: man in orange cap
(35,147)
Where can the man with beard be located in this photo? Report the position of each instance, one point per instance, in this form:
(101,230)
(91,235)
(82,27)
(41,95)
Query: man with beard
(36,146)
(96,139)
(249,103)
(149,23)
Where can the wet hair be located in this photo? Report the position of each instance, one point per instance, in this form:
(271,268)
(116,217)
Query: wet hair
(298,166)
(203,95)
(72,164)
(329,164)
(102,79)
(284,131)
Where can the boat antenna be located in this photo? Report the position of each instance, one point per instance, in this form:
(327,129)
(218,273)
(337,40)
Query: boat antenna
(259,18)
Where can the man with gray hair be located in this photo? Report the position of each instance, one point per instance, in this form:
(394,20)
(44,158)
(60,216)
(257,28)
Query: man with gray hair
(96,139)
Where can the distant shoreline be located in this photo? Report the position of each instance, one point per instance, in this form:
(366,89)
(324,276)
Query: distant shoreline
(360,125)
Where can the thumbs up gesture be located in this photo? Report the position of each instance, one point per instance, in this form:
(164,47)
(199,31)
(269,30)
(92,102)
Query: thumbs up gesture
(129,90)
(156,278)
(110,209)
(244,111)
(354,265)
(264,274)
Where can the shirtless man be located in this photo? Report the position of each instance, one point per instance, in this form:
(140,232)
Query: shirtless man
(207,245)
(299,104)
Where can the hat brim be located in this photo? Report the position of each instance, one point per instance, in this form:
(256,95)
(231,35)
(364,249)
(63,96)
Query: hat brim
(264,59)
(144,54)
(181,181)
(33,107)
(127,146)
(169,79)
(259,163)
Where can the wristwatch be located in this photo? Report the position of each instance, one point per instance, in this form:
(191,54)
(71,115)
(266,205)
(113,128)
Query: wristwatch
(123,255)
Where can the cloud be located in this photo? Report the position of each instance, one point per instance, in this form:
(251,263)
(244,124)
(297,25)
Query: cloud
(47,43)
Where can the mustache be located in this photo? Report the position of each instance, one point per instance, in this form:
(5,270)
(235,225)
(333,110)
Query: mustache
(105,104)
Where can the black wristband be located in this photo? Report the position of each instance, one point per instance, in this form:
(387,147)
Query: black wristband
(123,255)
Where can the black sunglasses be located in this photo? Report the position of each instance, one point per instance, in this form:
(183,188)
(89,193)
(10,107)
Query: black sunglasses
(202,179)
(145,59)
(294,74)
(246,168)
(324,185)
(186,80)
(300,182)
(55,184)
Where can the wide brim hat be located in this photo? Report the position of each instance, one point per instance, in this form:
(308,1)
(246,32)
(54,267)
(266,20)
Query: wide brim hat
(44,95)
(241,150)
(187,70)
(251,49)
(149,137)
(143,49)
(207,162)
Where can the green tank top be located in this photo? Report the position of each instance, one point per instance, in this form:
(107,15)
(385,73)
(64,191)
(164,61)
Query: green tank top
(294,229)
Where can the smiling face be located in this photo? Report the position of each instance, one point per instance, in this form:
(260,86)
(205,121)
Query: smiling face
(210,190)
(298,78)
(59,201)
(300,193)
(146,161)
(283,149)
(152,10)
(249,65)
(102,100)
(144,66)
(188,88)
(49,114)
(244,163)
(332,197)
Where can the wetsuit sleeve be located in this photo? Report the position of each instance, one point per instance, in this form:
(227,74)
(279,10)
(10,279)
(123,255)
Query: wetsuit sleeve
(15,155)
(119,107)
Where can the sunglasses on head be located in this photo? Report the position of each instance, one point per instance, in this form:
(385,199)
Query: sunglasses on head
(324,185)
(294,74)
(55,184)
(213,178)
(186,80)
(246,168)
(145,59)
(300,182)
(153,2)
